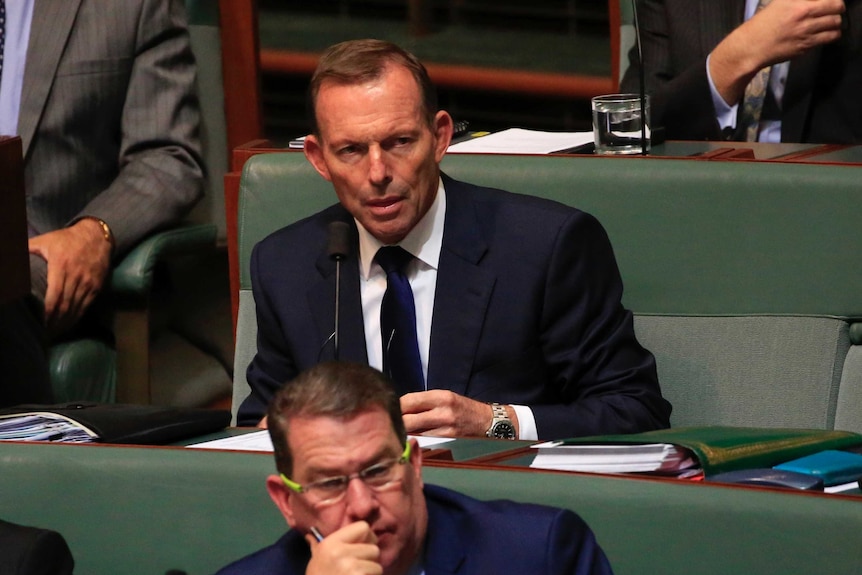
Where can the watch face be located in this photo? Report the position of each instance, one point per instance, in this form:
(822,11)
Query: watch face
(503,430)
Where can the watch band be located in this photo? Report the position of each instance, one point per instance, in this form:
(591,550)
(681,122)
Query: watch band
(499,412)
(501,426)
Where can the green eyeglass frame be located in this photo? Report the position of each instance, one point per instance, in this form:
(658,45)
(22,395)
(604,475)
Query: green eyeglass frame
(294,486)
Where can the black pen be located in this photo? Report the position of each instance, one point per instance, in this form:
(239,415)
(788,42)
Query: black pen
(316,532)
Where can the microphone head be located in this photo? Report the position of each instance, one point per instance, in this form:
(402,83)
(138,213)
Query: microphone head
(338,246)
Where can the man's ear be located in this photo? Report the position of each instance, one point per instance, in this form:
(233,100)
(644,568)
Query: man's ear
(443,127)
(282,497)
(313,149)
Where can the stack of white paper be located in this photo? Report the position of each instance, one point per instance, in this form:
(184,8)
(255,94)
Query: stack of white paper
(43,427)
(651,457)
(521,141)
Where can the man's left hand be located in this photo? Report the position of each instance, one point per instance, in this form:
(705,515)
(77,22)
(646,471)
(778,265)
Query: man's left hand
(78,259)
(446,414)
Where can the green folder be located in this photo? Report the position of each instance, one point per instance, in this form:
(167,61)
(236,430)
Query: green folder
(721,449)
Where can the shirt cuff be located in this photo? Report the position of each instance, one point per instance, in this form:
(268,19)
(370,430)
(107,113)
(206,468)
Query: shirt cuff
(724,113)
(526,423)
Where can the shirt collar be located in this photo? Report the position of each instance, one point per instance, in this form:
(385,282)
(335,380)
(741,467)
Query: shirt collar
(424,241)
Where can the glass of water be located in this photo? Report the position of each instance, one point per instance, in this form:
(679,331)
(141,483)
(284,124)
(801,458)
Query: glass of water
(617,124)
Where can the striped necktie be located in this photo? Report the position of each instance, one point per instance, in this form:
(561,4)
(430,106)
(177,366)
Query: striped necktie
(755,93)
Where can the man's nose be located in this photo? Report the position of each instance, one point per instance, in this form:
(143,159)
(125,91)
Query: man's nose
(361,500)
(378,169)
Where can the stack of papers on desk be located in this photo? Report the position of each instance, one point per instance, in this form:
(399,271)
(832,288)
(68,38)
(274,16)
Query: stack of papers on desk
(680,450)
(84,421)
(44,427)
(521,141)
(662,458)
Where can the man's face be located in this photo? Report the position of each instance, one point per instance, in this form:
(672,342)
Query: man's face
(324,447)
(379,152)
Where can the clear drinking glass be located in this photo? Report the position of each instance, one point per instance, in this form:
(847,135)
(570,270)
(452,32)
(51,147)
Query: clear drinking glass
(617,123)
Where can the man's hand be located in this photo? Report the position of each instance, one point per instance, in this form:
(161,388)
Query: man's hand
(447,414)
(783,30)
(78,259)
(351,549)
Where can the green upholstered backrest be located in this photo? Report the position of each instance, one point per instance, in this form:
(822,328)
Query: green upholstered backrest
(741,274)
(143,511)
(139,510)
(696,237)
(690,236)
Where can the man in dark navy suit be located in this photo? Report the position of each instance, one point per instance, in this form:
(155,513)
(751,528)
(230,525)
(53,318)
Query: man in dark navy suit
(518,317)
(350,487)
(31,551)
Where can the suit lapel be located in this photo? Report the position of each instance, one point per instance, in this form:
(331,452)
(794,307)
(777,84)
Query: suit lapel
(462,295)
(52,24)
(321,299)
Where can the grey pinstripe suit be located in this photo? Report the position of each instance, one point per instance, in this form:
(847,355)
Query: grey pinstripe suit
(109,125)
(109,119)
(823,86)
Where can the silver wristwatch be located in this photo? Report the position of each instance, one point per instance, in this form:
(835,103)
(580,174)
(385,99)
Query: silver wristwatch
(501,426)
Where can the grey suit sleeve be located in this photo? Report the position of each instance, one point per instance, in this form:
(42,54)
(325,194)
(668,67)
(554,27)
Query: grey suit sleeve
(160,167)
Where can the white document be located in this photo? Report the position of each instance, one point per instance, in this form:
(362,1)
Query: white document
(521,141)
(260,441)
(607,458)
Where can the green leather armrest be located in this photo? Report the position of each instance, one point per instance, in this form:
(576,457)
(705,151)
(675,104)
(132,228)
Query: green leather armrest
(134,274)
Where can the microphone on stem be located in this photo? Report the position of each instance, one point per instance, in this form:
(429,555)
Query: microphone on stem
(338,247)
(641,78)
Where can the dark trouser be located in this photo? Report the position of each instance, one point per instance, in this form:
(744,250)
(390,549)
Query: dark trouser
(23,354)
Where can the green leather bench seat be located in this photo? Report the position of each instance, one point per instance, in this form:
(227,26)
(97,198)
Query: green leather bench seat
(143,511)
(742,275)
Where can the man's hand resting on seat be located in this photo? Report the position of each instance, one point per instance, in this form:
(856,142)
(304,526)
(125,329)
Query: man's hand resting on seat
(78,259)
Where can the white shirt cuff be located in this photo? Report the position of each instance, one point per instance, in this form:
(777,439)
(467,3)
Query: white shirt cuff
(526,422)
(725,114)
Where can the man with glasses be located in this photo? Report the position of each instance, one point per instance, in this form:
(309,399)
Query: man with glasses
(350,487)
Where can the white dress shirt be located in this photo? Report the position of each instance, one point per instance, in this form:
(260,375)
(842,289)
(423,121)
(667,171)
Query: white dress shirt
(19,15)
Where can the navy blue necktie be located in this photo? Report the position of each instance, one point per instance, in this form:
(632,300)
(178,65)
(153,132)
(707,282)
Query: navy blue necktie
(398,322)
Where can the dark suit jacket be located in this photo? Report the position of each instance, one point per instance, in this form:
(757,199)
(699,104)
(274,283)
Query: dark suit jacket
(527,311)
(467,536)
(821,99)
(109,118)
(32,551)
